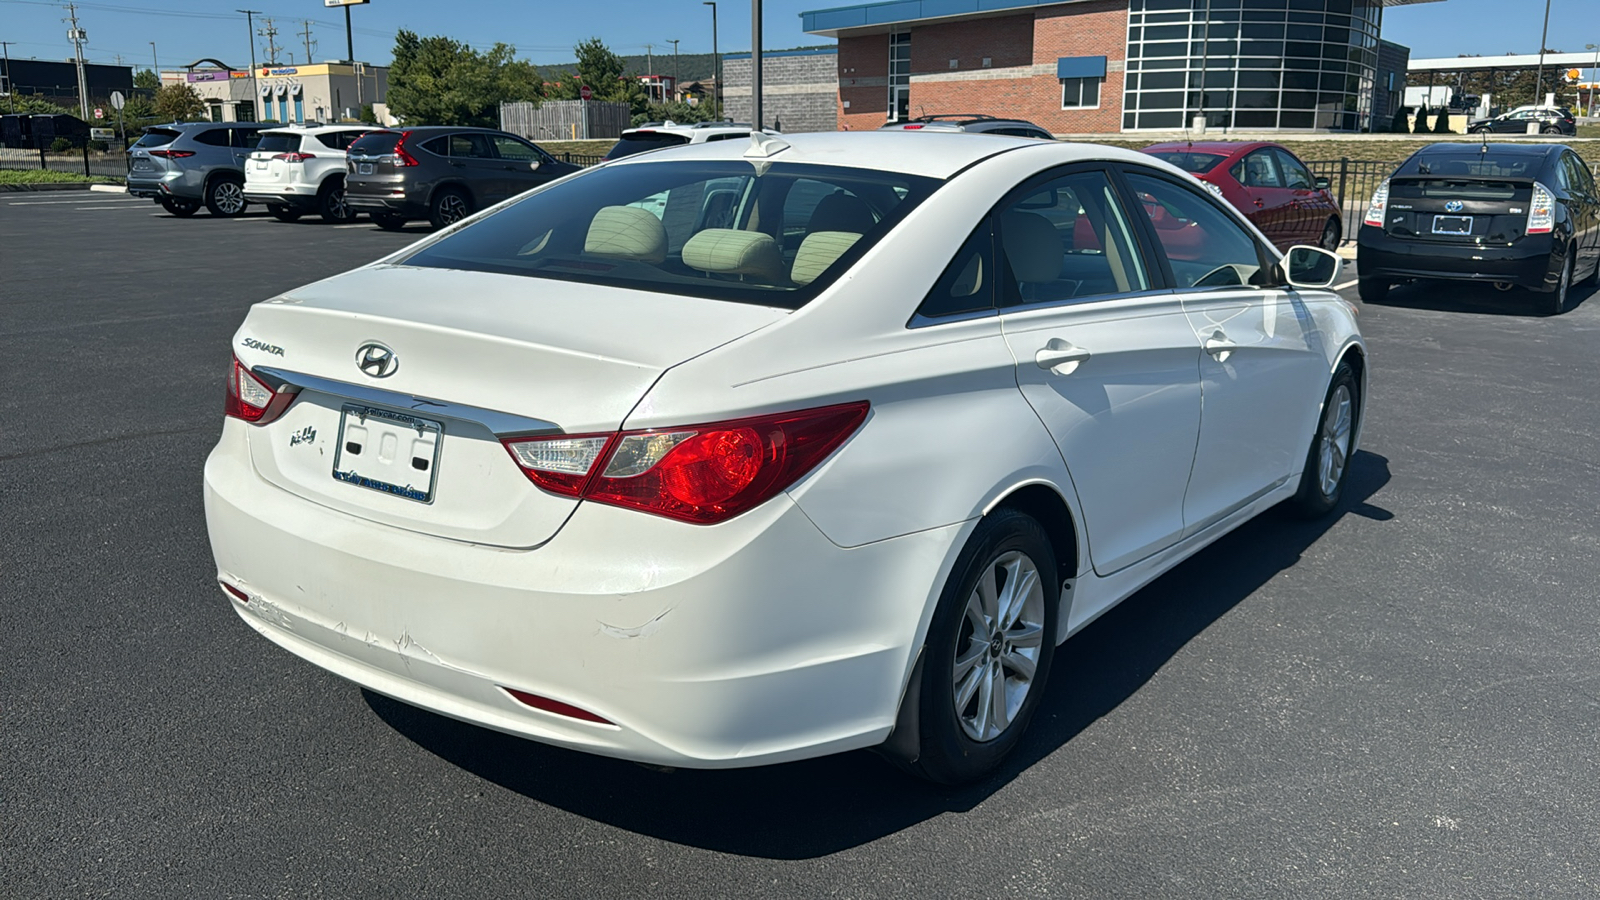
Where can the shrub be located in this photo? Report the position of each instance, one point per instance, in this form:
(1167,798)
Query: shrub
(1398,123)
(61,145)
(1421,125)
(1441,125)
(98,146)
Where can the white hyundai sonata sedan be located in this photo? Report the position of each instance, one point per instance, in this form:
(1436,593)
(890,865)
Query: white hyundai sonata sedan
(755,451)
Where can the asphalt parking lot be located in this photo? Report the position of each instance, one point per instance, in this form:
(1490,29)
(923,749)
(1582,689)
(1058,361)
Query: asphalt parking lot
(1399,701)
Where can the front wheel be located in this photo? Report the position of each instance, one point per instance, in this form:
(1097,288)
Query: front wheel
(1328,460)
(988,651)
(1372,290)
(180,208)
(225,196)
(449,206)
(1331,237)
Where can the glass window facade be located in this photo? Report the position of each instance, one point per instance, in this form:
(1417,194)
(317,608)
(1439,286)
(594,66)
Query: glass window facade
(900,76)
(1251,64)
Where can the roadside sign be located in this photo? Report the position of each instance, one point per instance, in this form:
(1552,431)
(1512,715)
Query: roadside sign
(343,2)
(117,100)
(102,134)
(99,113)
(585,92)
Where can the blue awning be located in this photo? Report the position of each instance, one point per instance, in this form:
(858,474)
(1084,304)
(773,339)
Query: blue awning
(1081,67)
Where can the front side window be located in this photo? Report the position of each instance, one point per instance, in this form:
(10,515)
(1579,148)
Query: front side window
(1204,246)
(1067,240)
(1080,93)
(773,235)
(511,148)
(1295,175)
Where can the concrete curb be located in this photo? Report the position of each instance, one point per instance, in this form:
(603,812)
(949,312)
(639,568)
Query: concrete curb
(73,186)
(108,188)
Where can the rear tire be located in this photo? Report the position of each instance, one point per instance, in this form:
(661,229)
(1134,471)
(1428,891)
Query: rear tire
(1550,129)
(1372,290)
(389,221)
(988,652)
(181,208)
(331,203)
(449,206)
(1557,304)
(1328,460)
(225,196)
(284,213)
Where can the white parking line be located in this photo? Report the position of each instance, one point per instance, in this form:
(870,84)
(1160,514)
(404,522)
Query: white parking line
(75,208)
(1351,283)
(78,200)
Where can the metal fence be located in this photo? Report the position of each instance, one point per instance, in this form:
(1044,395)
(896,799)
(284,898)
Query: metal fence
(580,159)
(112,163)
(565,120)
(1352,182)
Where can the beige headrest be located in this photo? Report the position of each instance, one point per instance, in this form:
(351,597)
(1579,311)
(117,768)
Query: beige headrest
(729,251)
(626,232)
(817,252)
(1032,245)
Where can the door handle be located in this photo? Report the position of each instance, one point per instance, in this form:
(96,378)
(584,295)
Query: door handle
(1219,346)
(1060,357)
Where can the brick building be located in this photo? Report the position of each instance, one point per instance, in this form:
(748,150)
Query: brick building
(1101,66)
(799,89)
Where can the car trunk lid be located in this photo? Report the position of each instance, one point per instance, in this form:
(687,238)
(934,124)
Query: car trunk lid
(477,357)
(1451,209)
(141,162)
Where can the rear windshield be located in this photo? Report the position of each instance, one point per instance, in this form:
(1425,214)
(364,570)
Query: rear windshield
(1456,189)
(773,235)
(377,143)
(156,137)
(279,142)
(640,141)
(1478,165)
(1190,162)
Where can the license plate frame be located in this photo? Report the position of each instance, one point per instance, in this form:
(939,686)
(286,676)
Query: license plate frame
(364,436)
(364,168)
(1459,226)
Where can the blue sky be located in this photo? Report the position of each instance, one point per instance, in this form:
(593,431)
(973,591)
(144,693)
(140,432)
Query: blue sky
(185,30)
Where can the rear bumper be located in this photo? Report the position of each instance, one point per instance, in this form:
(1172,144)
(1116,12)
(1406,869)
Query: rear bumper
(378,200)
(180,184)
(1531,262)
(294,196)
(754,641)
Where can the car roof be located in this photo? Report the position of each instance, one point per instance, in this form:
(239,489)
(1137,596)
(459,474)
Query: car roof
(1460,148)
(1219,148)
(671,127)
(304,128)
(938,154)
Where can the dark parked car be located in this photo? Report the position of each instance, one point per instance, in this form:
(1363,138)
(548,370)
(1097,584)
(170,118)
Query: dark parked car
(185,164)
(1267,183)
(1515,215)
(1550,119)
(441,173)
(975,123)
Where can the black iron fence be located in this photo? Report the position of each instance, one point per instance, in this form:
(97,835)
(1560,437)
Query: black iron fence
(80,160)
(1352,182)
(581,159)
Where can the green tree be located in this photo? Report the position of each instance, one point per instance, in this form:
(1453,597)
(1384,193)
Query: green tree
(440,81)
(1441,122)
(178,103)
(605,75)
(144,78)
(676,111)
(41,106)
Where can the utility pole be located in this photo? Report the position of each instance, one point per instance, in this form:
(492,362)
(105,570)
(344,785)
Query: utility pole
(11,89)
(674,67)
(250,29)
(716,87)
(349,42)
(650,69)
(155,67)
(270,32)
(77,36)
(306,33)
(755,63)
(1544,39)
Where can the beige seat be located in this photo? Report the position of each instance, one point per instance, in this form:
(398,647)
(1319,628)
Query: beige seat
(729,251)
(1032,245)
(819,251)
(626,232)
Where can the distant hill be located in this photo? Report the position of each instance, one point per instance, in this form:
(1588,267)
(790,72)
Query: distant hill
(690,66)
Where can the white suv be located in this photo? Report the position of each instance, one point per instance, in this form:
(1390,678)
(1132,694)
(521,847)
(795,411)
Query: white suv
(298,169)
(656,135)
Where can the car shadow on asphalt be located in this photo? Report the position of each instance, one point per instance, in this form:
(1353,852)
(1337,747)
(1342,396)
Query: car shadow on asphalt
(1466,297)
(817,807)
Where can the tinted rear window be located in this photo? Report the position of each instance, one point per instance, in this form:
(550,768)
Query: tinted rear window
(1457,189)
(156,137)
(1190,162)
(1477,165)
(641,141)
(691,228)
(377,143)
(279,143)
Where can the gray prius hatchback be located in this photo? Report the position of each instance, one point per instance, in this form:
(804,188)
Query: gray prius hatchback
(187,164)
(441,173)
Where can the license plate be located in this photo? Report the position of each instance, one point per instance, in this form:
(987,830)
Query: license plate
(1452,224)
(261,164)
(141,164)
(363,168)
(388,451)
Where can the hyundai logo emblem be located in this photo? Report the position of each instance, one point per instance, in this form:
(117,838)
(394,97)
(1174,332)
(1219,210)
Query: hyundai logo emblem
(1454,206)
(377,360)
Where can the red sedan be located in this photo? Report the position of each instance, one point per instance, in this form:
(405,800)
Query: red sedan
(1270,185)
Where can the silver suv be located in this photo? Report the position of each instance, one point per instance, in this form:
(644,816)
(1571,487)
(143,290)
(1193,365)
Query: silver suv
(185,164)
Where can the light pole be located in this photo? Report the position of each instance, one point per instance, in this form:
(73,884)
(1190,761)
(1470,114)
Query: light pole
(716,87)
(1594,74)
(1544,37)
(255,95)
(11,89)
(674,68)
(755,64)
(155,67)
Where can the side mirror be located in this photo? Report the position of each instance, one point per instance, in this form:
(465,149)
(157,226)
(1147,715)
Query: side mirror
(533,166)
(1323,183)
(1311,267)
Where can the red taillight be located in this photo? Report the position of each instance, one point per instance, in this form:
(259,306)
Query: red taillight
(251,399)
(294,157)
(401,157)
(555,706)
(172,154)
(700,473)
(239,595)
(912,127)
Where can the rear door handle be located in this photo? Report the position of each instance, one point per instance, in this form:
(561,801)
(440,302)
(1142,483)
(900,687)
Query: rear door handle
(1060,357)
(1219,346)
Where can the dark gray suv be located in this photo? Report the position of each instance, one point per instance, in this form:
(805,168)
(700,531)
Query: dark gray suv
(441,173)
(186,164)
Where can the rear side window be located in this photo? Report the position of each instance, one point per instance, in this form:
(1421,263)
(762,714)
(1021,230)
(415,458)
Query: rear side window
(278,142)
(156,137)
(470,146)
(723,230)
(641,141)
(376,143)
(1258,170)
(213,137)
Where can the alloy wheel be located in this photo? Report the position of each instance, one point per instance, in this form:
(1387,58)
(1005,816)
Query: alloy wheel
(1334,447)
(229,197)
(452,209)
(337,204)
(998,647)
(1331,237)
